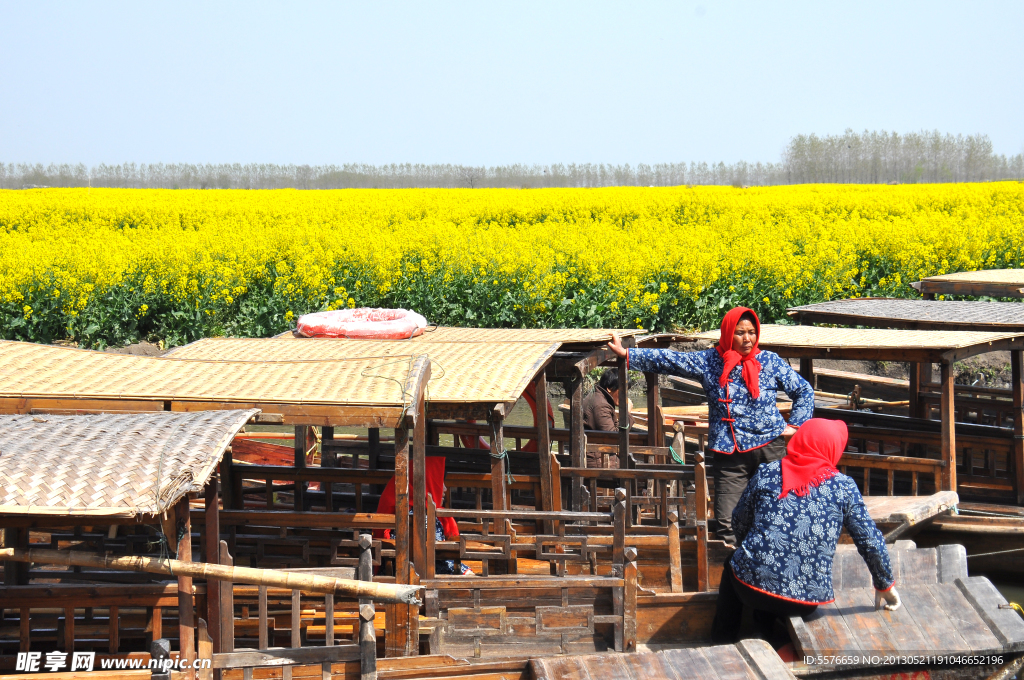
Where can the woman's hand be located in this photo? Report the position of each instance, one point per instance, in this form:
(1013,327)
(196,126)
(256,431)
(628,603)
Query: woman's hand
(789,432)
(891,598)
(616,346)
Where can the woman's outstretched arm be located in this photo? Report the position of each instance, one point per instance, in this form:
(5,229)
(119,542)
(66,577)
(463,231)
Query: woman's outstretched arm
(683,364)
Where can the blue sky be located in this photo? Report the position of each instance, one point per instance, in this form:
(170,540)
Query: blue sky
(496,82)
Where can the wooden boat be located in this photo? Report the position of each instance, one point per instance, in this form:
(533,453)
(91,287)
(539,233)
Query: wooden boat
(576,559)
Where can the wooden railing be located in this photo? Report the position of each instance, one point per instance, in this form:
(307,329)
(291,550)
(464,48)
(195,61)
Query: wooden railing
(985,464)
(563,613)
(301,611)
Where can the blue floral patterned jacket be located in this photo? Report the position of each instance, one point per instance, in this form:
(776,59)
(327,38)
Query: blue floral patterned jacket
(744,423)
(787,545)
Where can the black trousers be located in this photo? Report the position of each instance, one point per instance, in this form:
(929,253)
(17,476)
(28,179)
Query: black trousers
(732,472)
(733,595)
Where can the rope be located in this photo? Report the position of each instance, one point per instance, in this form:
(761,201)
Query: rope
(990,514)
(999,552)
(509,479)
(675,457)
(407,397)
(1017,608)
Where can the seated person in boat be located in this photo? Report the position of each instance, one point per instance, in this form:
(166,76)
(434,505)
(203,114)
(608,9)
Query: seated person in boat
(599,414)
(788,521)
(741,382)
(445,528)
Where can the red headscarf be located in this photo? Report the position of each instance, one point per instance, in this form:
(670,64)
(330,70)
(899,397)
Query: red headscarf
(812,455)
(435,490)
(751,366)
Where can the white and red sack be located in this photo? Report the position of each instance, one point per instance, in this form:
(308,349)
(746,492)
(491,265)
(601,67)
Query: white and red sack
(364,323)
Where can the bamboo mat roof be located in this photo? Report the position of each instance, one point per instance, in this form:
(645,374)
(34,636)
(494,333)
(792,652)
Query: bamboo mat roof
(30,371)
(916,314)
(110,465)
(879,343)
(474,371)
(991,282)
(1011,276)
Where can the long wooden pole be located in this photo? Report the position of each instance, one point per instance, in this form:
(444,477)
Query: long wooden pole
(1017,375)
(948,410)
(544,442)
(186,602)
(380,592)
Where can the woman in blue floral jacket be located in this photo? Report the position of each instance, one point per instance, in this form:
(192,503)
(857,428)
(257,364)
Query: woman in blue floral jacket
(788,522)
(741,382)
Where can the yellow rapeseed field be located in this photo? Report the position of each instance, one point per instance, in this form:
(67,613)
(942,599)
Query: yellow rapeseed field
(115,265)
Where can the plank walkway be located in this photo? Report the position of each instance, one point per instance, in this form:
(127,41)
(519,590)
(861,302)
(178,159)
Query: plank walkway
(944,611)
(912,509)
(746,660)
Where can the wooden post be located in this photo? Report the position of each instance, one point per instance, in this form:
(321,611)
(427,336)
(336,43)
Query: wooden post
(948,428)
(225,475)
(212,548)
(296,629)
(419,494)
(69,629)
(186,613)
(629,602)
(618,564)
(227,604)
(499,460)
(113,630)
(701,514)
(205,650)
(367,636)
(807,370)
(655,427)
(373,439)
(675,564)
(300,463)
(1017,385)
(577,445)
(916,410)
(329,460)
(329,620)
(544,443)
(412,647)
(624,417)
(397,643)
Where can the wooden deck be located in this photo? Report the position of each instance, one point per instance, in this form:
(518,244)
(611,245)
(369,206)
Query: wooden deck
(910,509)
(747,659)
(944,611)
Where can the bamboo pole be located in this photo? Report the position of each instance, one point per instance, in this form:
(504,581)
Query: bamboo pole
(380,592)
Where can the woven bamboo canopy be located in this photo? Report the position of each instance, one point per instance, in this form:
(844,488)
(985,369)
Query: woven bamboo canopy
(378,391)
(461,372)
(110,465)
(993,282)
(916,314)
(878,343)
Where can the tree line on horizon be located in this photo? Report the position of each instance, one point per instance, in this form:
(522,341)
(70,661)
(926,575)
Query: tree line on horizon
(849,158)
